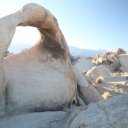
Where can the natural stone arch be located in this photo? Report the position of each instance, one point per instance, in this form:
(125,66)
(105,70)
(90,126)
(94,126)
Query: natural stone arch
(52,42)
(43,71)
(31,15)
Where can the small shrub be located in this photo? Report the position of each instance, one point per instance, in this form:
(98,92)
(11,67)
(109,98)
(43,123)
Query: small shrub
(84,72)
(106,95)
(99,80)
(117,73)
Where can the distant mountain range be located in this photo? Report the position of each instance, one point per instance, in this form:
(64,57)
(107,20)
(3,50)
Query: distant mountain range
(75,51)
(85,52)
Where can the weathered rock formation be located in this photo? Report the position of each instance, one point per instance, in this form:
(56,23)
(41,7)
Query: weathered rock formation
(83,64)
(103,114)
(113,60)
(110,114)
(85,88)
(40,78)
(96,72)
(123,59)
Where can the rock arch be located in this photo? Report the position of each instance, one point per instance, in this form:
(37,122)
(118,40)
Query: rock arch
(36,16)
(49,56)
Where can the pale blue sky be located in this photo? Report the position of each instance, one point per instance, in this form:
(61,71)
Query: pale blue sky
(89,24)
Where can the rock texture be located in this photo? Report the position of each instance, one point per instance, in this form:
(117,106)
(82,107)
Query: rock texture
(112,113)
(123,59)
(40,78)
(33,120)
(2,89)
(115,61)
(83,64)
(86,91)
(98,71)
(104,114)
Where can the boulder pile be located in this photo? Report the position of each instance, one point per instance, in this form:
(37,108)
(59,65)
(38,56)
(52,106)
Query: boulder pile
(115,61)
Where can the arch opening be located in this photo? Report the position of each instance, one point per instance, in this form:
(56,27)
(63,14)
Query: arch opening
(24,37)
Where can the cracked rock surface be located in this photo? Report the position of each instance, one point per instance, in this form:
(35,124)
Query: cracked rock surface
(112,113)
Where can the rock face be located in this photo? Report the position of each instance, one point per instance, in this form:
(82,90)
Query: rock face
(123,59)
(83,64)
(34,120)
(33,84)
(114,88)
(103,114)
(86,91)
(2,89)
(97,71)
(40,78)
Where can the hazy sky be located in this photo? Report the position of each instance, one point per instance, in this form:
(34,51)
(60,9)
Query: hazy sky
(89,24)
